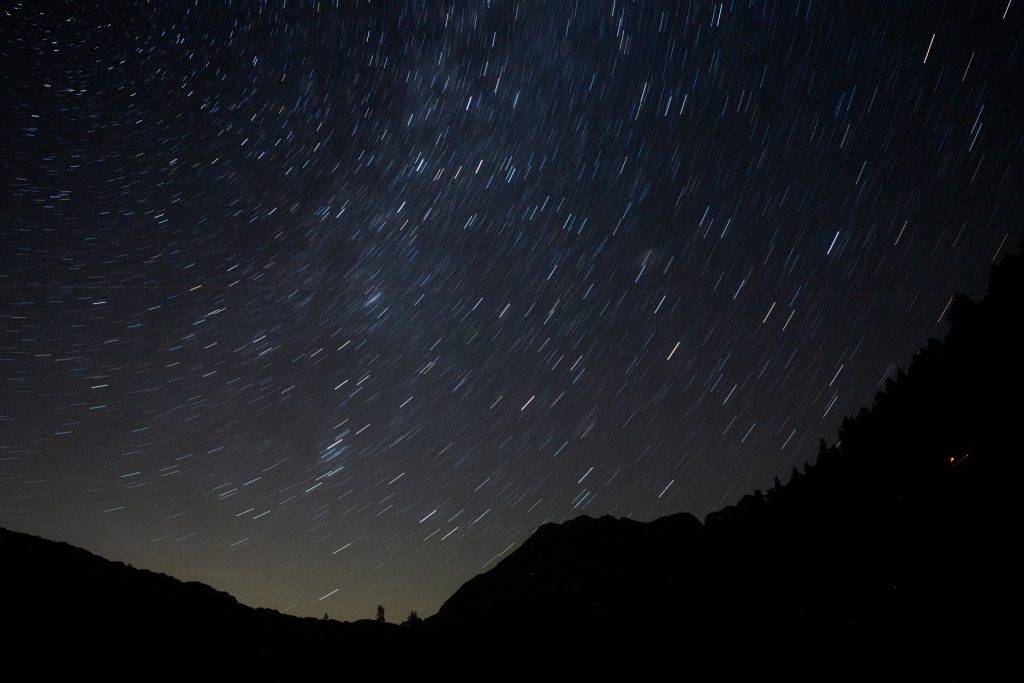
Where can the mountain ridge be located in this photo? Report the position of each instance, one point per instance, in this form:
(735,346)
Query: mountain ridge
(899,527)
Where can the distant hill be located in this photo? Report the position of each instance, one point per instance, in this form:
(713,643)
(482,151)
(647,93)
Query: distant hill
(60,595)
(585,572)
(905,526)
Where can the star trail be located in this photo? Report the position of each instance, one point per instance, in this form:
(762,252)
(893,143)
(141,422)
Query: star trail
(332,304)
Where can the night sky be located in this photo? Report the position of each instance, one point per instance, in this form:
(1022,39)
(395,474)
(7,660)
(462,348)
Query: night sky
(331,304)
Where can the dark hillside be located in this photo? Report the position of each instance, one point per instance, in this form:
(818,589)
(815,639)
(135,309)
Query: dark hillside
(55,594)
(904,523)
(903,528)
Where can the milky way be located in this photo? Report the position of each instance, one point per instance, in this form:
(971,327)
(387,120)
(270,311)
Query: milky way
(331,304)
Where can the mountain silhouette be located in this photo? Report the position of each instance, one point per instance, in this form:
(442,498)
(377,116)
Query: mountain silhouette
(60,595)
(904,527)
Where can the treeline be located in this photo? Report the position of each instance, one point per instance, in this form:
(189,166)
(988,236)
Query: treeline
(903,521)
(902,526)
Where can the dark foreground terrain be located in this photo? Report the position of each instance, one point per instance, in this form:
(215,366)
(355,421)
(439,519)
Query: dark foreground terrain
(902,530)
(904,527)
